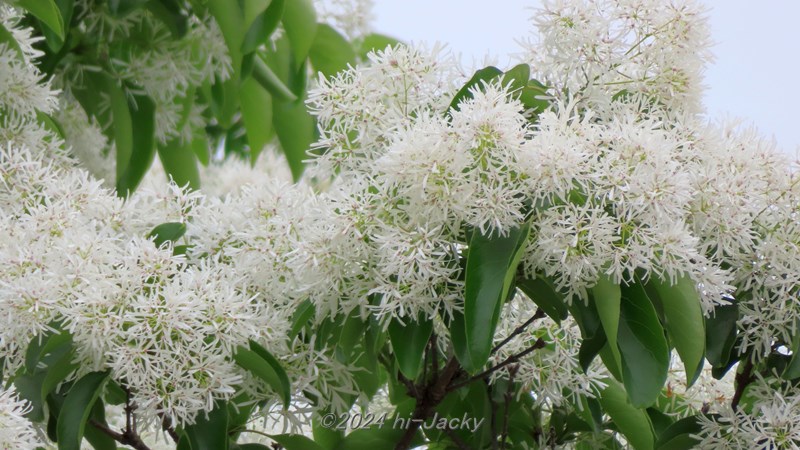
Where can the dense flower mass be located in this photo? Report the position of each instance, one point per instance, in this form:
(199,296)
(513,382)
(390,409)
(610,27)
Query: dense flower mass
(617,180)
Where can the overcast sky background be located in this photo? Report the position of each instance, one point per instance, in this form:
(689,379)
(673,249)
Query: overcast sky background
(755,75)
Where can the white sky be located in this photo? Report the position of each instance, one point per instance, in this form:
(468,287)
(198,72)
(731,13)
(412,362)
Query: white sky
(756,74)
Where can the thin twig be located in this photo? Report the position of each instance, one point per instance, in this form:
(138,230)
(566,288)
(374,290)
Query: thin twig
(510,360)
(517,331)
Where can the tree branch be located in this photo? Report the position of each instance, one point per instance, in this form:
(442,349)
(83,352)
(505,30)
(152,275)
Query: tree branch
(742,379)
(427,399)
(510,360)
(517,331)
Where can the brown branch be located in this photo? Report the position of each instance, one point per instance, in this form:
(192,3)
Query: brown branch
(510,360)
(432,394)
(742,379)
(517,331)
(512,373)
(166,425)
(127,437)
(493,414)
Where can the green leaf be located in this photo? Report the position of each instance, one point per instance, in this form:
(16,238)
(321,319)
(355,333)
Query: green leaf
(271,82)
(517,78)
(76,409)
(47,12)
(330,53)
(210,432)
(41,346)
(295,442)
(231,22)
(678,435)
(96,438)
(142,114)
(480,77)
(545,296)
(304,312)
(607,298)
(375,42)
(374,438)
(251,9)
(180,163)
(644,349)
(684,323)
(409,342)
(458,338)
(57,372)
(263,26)
(170,14)
(167,232)
(256,105)
(792,369)
(632,422)
(7,38)
(300,23)
(296,130)
(491,266)
(721,334)
(261,367)
(328,438)
(121,124)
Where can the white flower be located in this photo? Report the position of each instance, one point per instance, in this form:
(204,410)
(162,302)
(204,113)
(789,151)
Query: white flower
(16,432)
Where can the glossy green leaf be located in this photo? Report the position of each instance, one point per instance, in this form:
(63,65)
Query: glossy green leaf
(304,312)
(142,113)
(57,372)
(180,163)
(231,22)
(458,337)
(121,124)
(47,11)
(632,422)
(678,436)
(300,23)
(328,438)
(296,130)
(374,438)
(545,295)
(644,349)
(517,78)
(721,334)
(167,232)
(96,438)
(256,105)
(263,365)
(480,77)
(331,52)
(169,12)
(375,42)
(251,9)
(76,409)
(684,322)
(41,346)
(409,341)
(607,297)
(210,432)
(295,442)
(792,369)
(262,27)
(491,265)
(271,82)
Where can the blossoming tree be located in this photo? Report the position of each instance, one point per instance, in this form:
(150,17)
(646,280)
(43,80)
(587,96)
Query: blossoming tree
(364,245)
